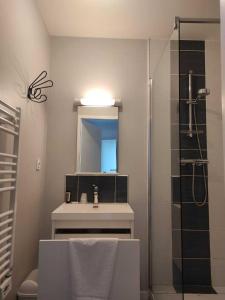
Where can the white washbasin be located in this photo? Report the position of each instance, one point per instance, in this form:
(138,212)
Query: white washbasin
(104,211)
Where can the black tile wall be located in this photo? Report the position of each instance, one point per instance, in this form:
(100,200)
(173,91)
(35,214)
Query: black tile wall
(176,220)
(200,109)
(72,187)
(195,244)
(187,153)
(196,272)
(192,60)
(121,188)
(198,289)
(195,217)
(111,188)
(106,187)
(186,189)
(176,192)
(190,222)
(177,247)
(192,143)
(177,275)
(187,169)
(192,45)
(198,82)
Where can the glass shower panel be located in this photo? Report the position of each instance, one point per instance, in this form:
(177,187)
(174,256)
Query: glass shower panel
(201,158)
(166,249)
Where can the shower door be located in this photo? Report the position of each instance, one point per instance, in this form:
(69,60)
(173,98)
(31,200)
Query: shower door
(165,210)
(187,212)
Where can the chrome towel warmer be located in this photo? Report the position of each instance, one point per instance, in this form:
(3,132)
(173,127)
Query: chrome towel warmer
(9,125)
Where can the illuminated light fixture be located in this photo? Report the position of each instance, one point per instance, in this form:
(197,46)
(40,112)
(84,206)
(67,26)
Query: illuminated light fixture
(98,98)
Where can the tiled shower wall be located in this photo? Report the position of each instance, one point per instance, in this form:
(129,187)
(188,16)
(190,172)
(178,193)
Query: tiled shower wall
(190,222)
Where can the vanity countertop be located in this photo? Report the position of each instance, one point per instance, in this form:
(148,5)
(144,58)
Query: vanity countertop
(105,211)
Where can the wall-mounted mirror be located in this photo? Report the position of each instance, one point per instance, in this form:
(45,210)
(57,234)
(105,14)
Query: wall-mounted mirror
(97,139)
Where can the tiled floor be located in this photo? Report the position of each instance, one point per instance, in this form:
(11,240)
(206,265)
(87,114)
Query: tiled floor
(189,297)
(168,293)
(204,297)
(219,296)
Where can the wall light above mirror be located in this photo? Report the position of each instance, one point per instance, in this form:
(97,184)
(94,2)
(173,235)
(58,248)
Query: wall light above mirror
(98,98)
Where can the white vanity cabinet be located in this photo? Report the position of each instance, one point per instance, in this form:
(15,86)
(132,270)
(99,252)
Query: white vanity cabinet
(75,220)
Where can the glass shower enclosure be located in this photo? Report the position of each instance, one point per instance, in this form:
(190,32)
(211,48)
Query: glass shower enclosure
(187,224)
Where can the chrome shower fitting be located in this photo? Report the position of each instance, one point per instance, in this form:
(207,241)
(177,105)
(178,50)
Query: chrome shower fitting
(203,93)
(197,163)
(190,102)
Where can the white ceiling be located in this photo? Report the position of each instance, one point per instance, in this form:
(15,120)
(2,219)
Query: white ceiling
(121,18)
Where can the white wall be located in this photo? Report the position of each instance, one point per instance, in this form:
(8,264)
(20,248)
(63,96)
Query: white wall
(222,16)
(24,52)
(121,66)
(215,167)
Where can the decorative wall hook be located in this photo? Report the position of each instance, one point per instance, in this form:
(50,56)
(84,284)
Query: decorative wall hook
(34,92)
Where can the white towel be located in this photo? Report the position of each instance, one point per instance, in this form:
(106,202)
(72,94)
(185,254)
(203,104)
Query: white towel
(92,265)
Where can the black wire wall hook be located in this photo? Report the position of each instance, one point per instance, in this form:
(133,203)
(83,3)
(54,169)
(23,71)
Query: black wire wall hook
(34,92)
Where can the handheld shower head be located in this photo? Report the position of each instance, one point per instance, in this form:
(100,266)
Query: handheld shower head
(203,93)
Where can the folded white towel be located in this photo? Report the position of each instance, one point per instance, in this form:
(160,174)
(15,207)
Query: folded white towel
(92,265)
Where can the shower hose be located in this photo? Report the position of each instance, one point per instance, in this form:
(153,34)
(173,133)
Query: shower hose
(198,202)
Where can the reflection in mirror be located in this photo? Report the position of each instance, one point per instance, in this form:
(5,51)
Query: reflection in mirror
(97,139)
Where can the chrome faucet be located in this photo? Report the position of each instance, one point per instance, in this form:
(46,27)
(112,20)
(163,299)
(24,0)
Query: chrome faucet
(95,189)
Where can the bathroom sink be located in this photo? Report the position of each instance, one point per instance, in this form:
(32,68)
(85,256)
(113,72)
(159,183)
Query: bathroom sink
(104,211)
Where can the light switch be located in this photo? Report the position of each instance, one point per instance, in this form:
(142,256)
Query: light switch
(38,164)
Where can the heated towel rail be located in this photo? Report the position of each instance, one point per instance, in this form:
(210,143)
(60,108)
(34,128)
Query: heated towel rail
(9,147)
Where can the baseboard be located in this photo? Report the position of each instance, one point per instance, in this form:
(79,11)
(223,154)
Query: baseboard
(145,295)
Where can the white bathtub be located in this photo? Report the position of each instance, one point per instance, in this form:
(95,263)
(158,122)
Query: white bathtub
(54,276)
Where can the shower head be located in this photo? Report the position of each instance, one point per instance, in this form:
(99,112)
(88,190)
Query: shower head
(203,93)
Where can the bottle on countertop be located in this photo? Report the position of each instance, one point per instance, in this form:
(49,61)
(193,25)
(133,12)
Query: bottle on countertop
(68,197)
(83,198)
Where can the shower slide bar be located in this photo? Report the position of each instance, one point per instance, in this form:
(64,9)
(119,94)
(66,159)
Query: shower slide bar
(9,124)
(190,125)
